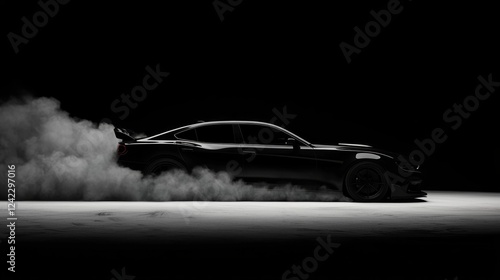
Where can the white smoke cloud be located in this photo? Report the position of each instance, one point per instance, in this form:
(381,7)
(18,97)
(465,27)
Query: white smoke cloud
(60,158)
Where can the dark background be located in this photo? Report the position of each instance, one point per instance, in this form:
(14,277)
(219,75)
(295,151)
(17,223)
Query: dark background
(271,54)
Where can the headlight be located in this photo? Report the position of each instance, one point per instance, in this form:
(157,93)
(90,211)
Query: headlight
(405,165)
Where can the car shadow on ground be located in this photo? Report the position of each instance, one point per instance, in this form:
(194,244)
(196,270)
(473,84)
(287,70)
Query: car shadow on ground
(410,200)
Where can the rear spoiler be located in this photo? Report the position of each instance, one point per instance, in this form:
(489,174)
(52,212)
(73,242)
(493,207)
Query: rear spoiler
(124,135)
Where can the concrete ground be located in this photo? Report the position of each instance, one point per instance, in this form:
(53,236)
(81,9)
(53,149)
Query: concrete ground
(448,235)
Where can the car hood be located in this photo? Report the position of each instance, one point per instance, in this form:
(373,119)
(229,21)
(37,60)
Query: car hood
(355,148)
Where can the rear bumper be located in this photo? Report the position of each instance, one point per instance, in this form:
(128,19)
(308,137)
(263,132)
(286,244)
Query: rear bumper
(131,164)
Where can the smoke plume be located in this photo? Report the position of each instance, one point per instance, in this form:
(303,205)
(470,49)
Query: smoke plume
(57,157)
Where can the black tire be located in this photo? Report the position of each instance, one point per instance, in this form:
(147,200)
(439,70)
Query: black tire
(365,182)
(158,166)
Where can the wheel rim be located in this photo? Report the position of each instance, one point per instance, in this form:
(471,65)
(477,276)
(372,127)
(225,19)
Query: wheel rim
(368,183)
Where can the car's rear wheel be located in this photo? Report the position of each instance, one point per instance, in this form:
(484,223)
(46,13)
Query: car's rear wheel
(365,181)
(159,166)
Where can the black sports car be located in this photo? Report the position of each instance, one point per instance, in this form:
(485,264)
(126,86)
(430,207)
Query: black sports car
(257,151)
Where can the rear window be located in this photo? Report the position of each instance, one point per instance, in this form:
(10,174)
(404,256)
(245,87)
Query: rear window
(166,136)
(189,134)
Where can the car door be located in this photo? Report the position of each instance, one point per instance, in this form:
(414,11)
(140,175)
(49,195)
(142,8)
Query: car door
(213,146)
(269,154)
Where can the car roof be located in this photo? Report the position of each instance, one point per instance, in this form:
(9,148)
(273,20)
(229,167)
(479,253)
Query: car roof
(200,124)
(229,122)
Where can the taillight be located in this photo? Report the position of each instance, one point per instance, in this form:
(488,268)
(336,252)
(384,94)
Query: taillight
(122,149)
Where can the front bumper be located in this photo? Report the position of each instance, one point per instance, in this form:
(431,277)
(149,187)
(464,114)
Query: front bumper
(409,187)
(406,191)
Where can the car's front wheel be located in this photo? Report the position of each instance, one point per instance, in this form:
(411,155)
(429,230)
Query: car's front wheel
(365,182)
(159,166)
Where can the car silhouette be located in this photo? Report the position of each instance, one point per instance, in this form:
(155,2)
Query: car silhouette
(264,152)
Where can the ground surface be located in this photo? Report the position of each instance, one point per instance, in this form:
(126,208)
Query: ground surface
(448,235)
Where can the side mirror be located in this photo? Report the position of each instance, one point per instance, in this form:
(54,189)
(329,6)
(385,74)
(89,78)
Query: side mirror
(293,142)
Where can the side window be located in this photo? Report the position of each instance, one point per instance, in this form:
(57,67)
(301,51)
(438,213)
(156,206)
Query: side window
(258,134)
(189,134)
(222,133)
